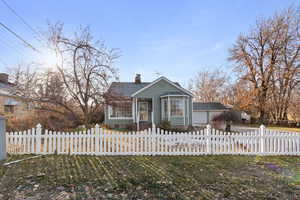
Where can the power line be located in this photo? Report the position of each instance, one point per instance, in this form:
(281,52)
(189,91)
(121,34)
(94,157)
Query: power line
(22,19)
(9,45)
(18,36)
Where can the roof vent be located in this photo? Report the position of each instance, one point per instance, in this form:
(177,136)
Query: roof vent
(137,78)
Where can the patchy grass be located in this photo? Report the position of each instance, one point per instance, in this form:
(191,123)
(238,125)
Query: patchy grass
(273,127)
(161,177)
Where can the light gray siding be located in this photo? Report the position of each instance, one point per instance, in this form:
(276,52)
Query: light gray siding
(155,92)
(153,95)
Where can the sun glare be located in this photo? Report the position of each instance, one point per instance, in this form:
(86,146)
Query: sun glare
(49,59)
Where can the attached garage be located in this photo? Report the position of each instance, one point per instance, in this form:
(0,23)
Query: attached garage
(204,113)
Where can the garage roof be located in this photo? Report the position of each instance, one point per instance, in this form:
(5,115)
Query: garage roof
(208,106)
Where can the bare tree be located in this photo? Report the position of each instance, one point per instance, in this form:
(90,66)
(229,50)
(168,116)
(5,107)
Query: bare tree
(209,86)
(294,108)
(286,75)
(76,87)
(260,54)
(85,69)
(24,77)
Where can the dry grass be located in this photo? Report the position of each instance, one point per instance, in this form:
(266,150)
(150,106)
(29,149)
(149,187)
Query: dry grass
(284,129)
(161,177)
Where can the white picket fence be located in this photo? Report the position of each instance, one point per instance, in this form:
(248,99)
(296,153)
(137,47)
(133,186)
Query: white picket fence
(98,141)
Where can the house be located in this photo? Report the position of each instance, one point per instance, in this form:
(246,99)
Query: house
(145,103)
(204,113)
(12,105)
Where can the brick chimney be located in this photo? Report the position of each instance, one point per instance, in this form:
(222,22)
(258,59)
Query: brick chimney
(137,79)
(4,78)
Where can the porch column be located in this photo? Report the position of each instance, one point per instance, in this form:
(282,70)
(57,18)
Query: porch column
(137,115)
(169,108)
(188,109)
(184,112)
(133,110)
(152,112)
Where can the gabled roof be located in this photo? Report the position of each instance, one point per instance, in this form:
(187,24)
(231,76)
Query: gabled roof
(129,89)
(200,106)
(168,81)
(126,89)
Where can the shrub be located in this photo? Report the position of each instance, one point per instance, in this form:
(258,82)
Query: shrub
(165,124)
(225,117)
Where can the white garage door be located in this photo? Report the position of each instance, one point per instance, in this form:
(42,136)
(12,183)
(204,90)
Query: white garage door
(199,118)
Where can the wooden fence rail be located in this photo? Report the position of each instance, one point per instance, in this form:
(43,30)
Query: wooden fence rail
(154,141)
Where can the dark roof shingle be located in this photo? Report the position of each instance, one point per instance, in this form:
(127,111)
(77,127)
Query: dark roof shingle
(208,106)
(126,89)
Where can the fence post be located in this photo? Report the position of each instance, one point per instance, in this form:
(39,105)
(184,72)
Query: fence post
(38,138)
(97,136)
(262,129)
(153,136)
(2,139)
(208,138)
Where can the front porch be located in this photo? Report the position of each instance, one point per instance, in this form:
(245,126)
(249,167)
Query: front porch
(174,108)
(142,112)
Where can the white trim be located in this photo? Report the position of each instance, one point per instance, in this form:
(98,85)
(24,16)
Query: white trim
(165,79)
(188,108)
(208,110)
(184,111)
(169,109)
(133,110)
(174,95)
(118,118)
(152,112)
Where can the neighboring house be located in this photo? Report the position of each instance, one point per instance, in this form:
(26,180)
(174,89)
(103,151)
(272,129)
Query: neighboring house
(203,113)
(10,104)
(145,103)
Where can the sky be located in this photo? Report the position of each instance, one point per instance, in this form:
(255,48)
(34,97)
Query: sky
(174,38)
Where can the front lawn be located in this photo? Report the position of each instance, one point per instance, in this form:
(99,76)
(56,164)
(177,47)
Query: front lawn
(279,128)
(161,177)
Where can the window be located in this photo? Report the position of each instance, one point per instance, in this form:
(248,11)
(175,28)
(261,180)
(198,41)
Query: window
(143,111)
(164,105)
(124,110)
(9,108)
(177,106)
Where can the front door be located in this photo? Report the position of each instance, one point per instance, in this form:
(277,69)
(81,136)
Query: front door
(143,111)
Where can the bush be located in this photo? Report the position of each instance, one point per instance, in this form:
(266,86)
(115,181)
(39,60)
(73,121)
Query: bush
(165,124)
(226,117)
(48,120)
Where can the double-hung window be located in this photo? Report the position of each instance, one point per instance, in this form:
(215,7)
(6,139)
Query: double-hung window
(122,110)
(173,107)
(177,106)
